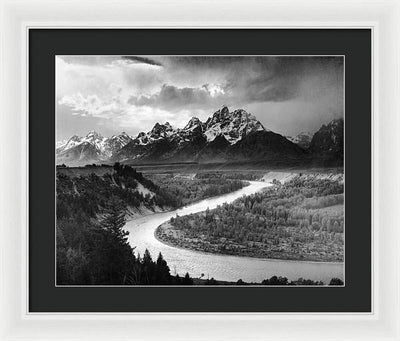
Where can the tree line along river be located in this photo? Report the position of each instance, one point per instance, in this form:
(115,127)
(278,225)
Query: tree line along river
(222,267)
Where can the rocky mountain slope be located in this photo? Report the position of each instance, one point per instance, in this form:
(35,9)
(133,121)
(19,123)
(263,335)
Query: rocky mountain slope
(328,142)
(91,148)
(303,139)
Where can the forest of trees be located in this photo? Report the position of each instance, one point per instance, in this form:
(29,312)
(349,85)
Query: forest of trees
(90,252)
(189,190)
(232,175)
(92,247)
(274,280)
(89,194)
(301,219)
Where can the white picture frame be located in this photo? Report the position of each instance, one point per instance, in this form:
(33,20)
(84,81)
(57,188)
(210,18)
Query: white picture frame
(381,16)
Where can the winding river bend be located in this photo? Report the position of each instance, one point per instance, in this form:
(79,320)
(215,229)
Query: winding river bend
(221,267)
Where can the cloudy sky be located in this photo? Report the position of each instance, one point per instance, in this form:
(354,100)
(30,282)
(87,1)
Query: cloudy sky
(111,94)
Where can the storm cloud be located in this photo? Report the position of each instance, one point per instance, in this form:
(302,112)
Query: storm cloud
(248,80)
(141,60)
(172,97)
(288,94)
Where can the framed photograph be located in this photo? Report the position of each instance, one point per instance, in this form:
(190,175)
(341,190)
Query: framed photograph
(223,180)
(217,199)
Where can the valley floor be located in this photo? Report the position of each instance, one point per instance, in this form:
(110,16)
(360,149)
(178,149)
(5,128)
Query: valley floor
(279,226)
(301,219)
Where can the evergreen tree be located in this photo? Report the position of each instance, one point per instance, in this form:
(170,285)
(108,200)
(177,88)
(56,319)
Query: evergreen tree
(162,273)
(336,281)
(187,280)
(114,251)
(114,220)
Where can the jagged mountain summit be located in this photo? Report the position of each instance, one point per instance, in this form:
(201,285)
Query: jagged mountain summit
(302,139)
(233,126)
(91,148)
(226,136)
(222,137)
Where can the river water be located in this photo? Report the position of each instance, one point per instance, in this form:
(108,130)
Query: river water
(221,267)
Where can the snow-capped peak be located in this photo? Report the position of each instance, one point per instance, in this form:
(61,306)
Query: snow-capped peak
(300,135)
(105,146)
(223,124)
(302,139)
(115,143)
(161,129)
(97,140)
(231,125)
(74,138)
(219,116)
(193,123)
(61,143)
(158,132)
(123,138)
(70,143)
(93,135)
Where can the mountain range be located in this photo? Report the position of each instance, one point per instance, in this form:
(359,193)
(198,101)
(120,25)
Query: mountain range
(224,137)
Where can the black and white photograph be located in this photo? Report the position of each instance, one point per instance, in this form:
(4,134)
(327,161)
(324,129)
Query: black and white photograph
(219,170)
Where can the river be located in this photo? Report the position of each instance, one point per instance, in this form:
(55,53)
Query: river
(221,267)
